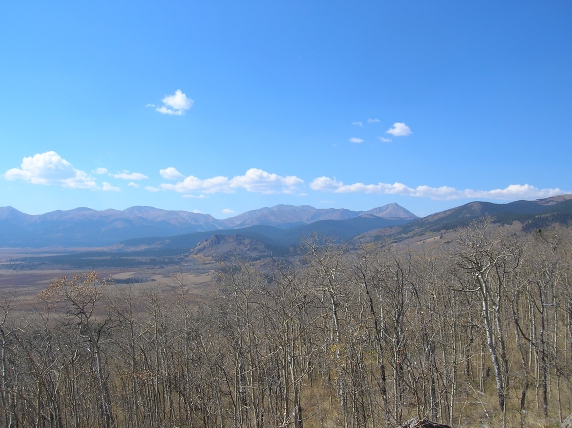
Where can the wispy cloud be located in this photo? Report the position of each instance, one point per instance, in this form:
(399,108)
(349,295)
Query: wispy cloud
(175,104)
(152,189)
(373,121)
(101,171)
(356,140)
(385,140)
(228,211)
(514,191)
(171,173)
(109,188)
(50,169)
(132,184)
(399,129)
(254,180)
(357,123)
(126,175)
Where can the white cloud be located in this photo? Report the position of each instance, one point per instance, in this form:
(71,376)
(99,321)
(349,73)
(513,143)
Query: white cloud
(228,211)
(514,191)
(165,110)
(385,140)
(373,121)
(191,184)
(126,175)
(326,184)
(356,140)
(109,188)
(175,104)
(151,189)
(194,196)
(50,169)
(399,129)
(254,180)
(257,180)
(132,184)
(171,173)
(357,123)
(101,171)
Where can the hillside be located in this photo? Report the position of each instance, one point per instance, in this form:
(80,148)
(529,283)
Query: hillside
(530,215)
(339,230)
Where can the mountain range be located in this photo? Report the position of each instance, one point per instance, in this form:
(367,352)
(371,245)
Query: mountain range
(276,228)
(366,227)
(267,232)
(87,227)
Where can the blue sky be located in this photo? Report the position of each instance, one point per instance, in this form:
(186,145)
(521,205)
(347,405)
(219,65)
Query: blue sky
(221,106)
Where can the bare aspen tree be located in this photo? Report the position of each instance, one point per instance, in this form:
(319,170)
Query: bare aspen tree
(80,296)
(488,259)
(368,274)
(337,337)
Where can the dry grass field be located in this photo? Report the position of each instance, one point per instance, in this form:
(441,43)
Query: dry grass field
(21,286)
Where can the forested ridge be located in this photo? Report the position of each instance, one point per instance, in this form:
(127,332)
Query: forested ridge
(477,332)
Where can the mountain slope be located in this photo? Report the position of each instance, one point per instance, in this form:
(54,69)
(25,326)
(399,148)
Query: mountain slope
(87,227)
(340,230)
(287,215)
(531,214)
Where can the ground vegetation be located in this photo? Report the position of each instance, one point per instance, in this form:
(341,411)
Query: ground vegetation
(475,332)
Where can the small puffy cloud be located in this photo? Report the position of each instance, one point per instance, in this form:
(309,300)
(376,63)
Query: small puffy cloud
(227,211)
(356,140)
(385,140)
(514,191)
(175,104)
(373,121)
(399,129)
(109,188)
(257,180)
(151,189)
(50,169)
(126,175)
(357,123)
(254,180)
(101,171)
(134,185)
(171,173)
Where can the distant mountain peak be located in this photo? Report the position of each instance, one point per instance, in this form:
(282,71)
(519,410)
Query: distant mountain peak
(391,211)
